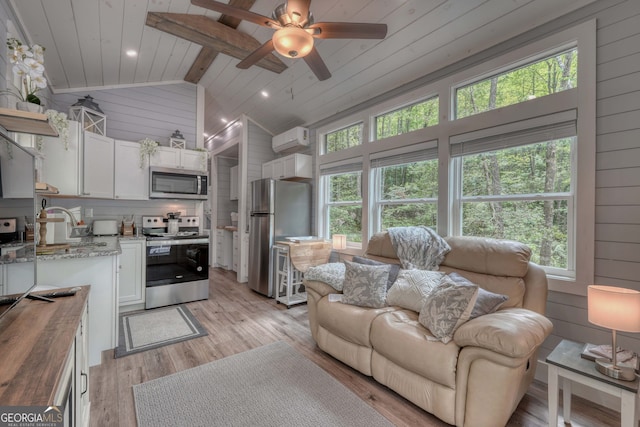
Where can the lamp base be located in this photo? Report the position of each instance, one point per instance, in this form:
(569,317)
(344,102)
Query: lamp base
(624,373)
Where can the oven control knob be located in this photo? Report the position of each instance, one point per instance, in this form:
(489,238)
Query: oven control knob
(199,268)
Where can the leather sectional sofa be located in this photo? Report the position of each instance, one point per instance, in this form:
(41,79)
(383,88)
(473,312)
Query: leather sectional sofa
(478,378)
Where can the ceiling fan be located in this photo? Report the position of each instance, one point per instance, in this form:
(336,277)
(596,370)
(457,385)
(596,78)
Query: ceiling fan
(295,31)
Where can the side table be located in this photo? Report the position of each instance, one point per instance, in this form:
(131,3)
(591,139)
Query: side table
(565,361)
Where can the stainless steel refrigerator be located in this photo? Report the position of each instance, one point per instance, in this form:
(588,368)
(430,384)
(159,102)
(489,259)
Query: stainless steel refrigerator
(278,209)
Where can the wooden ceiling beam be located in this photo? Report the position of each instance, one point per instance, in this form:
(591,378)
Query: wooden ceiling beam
(206,55)
(210,33)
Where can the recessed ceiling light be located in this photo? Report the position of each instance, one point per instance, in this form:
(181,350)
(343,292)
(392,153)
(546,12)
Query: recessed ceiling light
(223,120)
(264,93)
(131,53)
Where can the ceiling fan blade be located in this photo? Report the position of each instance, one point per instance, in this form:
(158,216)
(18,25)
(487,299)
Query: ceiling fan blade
(236,12)
(317,65)
(298,7)
(348,30)
(256,55)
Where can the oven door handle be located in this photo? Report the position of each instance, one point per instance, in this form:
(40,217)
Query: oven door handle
(177,242)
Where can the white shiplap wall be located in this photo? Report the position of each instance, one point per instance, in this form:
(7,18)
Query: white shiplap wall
(135,113)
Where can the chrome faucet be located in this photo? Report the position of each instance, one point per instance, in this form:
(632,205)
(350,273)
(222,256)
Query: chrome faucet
(74,222)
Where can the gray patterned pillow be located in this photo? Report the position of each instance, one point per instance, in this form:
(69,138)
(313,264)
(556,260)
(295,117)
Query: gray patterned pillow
(393,271)
(332,274)
(365,285)
(412,288)
(487,302)
(448,307)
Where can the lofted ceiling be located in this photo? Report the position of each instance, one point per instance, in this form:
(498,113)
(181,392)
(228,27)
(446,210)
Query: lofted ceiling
(86,43)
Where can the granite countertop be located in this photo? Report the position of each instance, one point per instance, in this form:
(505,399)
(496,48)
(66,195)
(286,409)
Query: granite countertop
(87,247)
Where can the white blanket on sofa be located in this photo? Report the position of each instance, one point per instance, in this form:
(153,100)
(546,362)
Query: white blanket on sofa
(418,247)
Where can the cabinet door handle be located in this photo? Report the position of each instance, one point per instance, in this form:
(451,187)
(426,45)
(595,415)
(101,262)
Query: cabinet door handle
(86,383)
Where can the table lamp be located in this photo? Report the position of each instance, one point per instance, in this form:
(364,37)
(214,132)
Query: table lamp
(617,309)
(339,241)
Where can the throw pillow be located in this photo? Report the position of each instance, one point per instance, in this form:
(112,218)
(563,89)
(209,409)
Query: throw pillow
(332,274)
(393,272)
(487,302)
(365,285)
(447,308)
(412,287)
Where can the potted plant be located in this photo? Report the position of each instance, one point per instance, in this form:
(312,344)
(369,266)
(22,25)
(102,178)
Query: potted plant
(28,66)
(147,148)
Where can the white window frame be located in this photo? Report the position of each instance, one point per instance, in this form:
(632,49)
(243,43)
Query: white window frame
(581,99)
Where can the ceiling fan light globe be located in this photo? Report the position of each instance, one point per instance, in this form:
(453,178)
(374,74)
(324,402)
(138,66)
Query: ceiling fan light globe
(292,42)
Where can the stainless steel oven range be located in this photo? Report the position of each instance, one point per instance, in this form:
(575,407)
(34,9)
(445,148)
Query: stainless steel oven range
(177,263)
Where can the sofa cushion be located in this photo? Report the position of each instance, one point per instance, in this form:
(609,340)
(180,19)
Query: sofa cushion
(349,322)
(412,287)
(513,287)
(487,302)
(365,285)
(394,269)
(399,337)
(488,256)
(447,307)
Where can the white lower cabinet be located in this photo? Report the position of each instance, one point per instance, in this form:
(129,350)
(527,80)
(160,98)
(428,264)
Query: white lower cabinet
(17,277)
(236,252)
(224,249)
(132,272)
(83,404)
(101,273)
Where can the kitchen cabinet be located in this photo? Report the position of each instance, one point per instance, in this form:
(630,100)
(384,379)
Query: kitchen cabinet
(81,371)
(178,158)
(224,249)
(131,182)
(236,252)
(233,179)
(101,273)
(289,167)
(85,167)
(132,272)
(17,173)
(17,277)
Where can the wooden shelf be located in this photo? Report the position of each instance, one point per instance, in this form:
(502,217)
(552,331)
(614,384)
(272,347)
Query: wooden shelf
(26,122)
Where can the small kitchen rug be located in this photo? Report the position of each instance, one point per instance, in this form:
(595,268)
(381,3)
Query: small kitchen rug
(144,330)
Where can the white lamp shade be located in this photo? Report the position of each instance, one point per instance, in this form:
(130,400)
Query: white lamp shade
(292,42)
(339,241)
(614,308)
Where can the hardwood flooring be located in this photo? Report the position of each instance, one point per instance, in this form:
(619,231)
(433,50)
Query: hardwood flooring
(238,319)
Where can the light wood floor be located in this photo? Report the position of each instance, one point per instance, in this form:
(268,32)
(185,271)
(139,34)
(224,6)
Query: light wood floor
(238,319)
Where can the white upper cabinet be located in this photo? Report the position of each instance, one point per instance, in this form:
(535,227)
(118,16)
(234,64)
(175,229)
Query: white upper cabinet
(178,158)
(131,180)
(98,170)
(289,167)
(233,179)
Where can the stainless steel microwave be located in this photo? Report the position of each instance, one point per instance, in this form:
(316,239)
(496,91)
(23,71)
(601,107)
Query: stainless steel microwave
(167,183)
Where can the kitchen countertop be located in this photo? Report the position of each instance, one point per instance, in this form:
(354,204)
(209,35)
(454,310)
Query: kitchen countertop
(86,248)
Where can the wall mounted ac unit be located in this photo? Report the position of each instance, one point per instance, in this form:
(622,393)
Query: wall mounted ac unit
(293,138)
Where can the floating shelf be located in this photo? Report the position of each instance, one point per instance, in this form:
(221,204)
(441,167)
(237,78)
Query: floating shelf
(26,122)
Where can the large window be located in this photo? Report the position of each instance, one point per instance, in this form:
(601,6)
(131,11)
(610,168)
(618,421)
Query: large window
(405,188)
(502,149)
(522,194)
(551,74)
(407,119)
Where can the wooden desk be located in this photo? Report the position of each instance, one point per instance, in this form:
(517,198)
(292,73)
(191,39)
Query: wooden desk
(565,361)
(37,338)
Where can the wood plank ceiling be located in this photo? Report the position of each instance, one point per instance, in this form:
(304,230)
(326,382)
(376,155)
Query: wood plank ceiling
(86,41)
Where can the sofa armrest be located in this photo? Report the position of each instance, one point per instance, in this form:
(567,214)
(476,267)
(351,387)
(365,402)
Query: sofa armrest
(320,288)
(513,332)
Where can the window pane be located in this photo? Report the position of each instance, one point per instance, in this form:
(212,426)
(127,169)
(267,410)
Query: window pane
(345,187)
(537,168)
(346,220)
(542,225)
(550,75)
(343,138)
(403,215)
(410,181)
(407,119)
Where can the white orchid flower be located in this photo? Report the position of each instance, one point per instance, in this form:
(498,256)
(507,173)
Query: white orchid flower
(34,66)
(39,81)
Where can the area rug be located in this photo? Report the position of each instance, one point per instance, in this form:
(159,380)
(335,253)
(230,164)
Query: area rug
(273,385)
(144,330)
